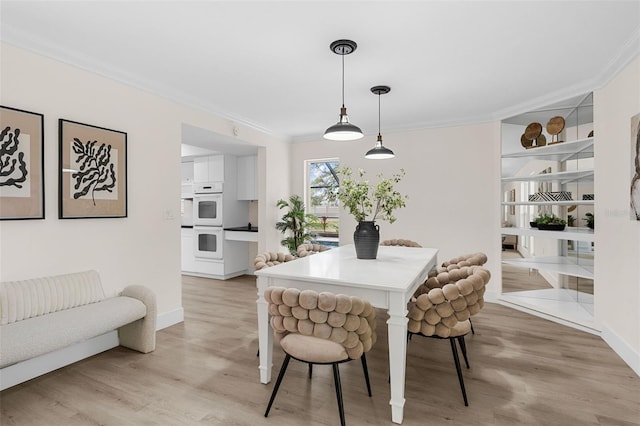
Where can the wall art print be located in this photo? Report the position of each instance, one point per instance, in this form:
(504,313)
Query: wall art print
(635,167)
(21,164)
(92,171)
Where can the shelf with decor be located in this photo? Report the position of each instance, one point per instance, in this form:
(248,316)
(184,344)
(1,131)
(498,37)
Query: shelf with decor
(553,180)
(562,151)
(573,233)
(561,177)
(550,203)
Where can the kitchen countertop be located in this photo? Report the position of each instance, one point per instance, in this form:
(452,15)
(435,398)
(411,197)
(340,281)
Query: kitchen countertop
(243,229)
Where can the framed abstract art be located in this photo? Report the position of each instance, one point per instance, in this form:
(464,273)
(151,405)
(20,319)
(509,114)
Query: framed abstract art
(21,164)
(92,171)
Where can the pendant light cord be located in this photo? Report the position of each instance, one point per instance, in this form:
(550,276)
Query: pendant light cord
(342,77)
(379,114)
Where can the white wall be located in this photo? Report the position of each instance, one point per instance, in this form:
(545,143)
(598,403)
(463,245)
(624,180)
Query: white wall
(143,248)
(617,238)
(452,180)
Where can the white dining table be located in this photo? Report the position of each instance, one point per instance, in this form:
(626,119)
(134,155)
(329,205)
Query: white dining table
(387,282)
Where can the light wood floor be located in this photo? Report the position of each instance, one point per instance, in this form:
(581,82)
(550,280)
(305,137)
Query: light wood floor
(524,371)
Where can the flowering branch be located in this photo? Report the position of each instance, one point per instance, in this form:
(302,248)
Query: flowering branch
(364,200)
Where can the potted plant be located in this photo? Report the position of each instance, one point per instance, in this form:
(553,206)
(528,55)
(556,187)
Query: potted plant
(296,222)
(590,218)
(550,222)
(367,202)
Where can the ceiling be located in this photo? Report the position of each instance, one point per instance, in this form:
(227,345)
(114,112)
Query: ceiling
(268,64)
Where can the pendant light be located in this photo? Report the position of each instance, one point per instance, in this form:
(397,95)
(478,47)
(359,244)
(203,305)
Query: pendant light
(379,152)
(343,130)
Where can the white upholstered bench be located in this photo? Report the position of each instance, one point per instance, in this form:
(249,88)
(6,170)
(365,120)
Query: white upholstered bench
(49,322)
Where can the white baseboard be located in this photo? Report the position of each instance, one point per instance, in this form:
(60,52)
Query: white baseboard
(29,369)
(622,348)
(167,319)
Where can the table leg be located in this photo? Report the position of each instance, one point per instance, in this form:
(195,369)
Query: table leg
(265,334)
(397,327)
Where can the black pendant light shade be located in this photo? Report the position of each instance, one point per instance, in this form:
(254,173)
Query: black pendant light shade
(379,152)
(343,130)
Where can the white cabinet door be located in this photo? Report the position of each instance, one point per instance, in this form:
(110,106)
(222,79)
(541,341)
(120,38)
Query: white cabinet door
(188,255)
(247,178)
(208,169)
(201,169)
(216,168)
(187,172)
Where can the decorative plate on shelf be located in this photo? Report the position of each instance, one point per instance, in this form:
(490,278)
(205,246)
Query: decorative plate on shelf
(541,140)
(555,125)
(533,130)
(527,143)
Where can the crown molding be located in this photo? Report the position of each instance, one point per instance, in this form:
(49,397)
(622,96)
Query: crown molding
(46,48)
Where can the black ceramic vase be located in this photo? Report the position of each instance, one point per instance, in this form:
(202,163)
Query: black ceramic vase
(366,239)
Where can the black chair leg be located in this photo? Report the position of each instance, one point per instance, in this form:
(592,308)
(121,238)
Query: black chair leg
(336,380)
(366,372)
(310,370)
(463,346)
(458,370)
(472,330)
(285,363)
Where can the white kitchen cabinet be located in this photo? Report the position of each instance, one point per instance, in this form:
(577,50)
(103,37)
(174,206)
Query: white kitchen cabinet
(187,250)
(247,177)
(208,169)
(241,236)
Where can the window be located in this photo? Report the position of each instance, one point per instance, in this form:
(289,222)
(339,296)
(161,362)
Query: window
(321,197)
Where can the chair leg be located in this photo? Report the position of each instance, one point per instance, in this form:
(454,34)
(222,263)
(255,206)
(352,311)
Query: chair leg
(336,380)
(472,330)
(366,372)
(458,369)
(463,346)
(285,363)
(310,370)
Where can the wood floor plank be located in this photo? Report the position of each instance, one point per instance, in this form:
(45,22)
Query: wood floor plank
(524,370)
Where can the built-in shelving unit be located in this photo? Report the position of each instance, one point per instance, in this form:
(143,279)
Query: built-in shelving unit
(564,258)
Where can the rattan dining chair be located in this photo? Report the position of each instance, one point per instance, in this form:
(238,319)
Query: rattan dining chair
(270,258)
(400,242)
(308,249)
(321,328)
(443,311)
(478,259)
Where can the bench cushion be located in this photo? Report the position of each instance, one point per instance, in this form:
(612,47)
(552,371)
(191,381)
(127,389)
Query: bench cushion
(21,300)
(41,334)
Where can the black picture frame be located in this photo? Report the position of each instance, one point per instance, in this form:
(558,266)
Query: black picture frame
(21,164)
(92,172)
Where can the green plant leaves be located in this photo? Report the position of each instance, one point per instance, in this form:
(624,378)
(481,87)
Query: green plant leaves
(366,201)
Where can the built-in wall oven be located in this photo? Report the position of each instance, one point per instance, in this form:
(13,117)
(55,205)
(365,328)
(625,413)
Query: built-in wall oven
(207,204)
(209,242)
